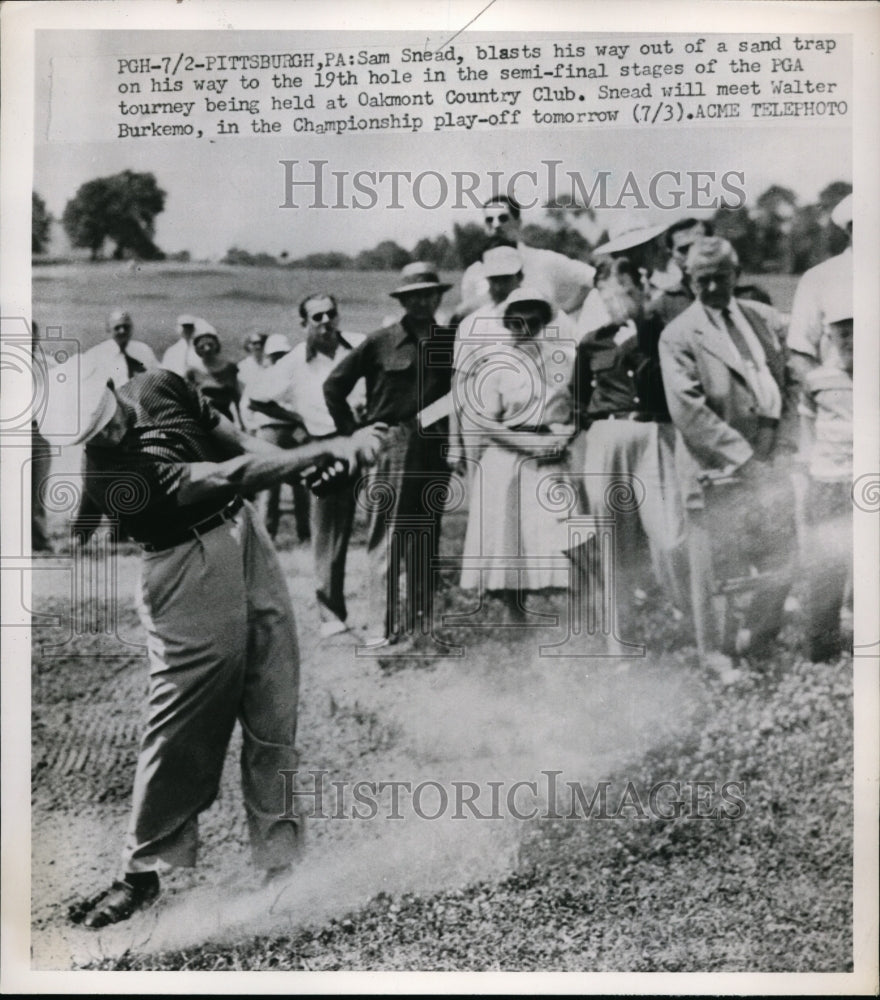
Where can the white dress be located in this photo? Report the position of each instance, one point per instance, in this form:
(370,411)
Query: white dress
(517,534)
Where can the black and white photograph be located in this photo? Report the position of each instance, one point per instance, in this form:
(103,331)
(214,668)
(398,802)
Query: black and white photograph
(440,497)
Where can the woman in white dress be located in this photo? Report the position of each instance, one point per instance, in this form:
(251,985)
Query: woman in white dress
(521,400)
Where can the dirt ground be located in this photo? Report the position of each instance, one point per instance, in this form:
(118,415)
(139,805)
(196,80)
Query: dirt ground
(499,712)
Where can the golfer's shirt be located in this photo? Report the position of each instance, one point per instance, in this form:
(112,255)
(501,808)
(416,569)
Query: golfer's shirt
(137,481)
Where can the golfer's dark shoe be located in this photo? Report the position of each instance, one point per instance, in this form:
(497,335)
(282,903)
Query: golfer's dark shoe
(117,903)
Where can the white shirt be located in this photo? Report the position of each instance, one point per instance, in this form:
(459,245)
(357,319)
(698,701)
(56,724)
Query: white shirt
(560,277)
(249,372)
(297,384)
(108,358)
(758,375)
(821,289)
(180,357)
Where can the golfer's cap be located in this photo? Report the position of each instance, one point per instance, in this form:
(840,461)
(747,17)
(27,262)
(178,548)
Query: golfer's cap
(276,343)
(76,408)
(501,262)
(842,215)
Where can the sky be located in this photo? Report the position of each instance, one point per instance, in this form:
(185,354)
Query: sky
(229,191)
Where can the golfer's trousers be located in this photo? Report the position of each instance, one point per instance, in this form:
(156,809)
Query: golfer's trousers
(222,646)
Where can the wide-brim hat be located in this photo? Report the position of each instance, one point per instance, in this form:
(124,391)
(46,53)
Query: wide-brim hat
(418,277)
(627,231)
(76,408)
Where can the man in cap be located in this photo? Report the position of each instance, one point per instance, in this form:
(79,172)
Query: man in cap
(406,367)
(221,638)
(827,287)
(565,280)
(119,358)
(732,398)
(181,355)
(295,387)
(284,427)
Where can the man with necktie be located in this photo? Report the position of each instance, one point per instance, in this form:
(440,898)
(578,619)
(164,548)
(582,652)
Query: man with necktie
(732,397)
(120,358)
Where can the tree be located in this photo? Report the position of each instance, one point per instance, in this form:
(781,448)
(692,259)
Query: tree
(470,242)
(385,256)
(121,208)
(41,223)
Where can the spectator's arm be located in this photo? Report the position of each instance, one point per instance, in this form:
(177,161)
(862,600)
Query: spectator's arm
(339,384)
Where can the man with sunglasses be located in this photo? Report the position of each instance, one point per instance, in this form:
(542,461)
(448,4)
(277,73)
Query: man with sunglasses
(567,281)
(293,389)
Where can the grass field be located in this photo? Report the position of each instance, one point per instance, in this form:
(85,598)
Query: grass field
(767,890)
(77,298)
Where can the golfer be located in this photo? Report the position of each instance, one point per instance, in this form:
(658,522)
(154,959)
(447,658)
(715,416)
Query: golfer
(214,603)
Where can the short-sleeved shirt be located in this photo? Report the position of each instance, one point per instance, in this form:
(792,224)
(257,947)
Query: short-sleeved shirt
(171,426)
(561,278)
(824,288)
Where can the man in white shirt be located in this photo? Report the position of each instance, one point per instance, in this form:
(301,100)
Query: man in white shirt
(181,355)
(294,387)
(565,280)
(732,398)
(120,358)
(824,289)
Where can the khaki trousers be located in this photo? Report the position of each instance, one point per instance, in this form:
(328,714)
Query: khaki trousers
(222,646)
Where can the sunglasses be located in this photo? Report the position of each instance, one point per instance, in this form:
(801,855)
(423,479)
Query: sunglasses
(328,313)
(492,219)
(123,326)
(256,343)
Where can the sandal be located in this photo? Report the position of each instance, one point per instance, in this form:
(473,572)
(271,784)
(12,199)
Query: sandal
(112,905)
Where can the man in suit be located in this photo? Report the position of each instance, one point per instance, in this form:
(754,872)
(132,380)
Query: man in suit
(732,398)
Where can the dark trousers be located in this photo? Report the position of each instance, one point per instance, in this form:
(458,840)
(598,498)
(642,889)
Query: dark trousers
(332,519)
(741,548)
(404,494)
(828,560)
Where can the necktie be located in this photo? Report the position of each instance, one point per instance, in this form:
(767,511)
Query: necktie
(133,365)
(739,341)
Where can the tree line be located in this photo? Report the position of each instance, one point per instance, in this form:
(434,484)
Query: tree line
(775,235)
